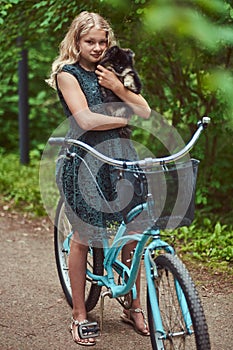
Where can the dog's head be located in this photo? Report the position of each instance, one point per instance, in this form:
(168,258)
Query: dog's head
(117,59)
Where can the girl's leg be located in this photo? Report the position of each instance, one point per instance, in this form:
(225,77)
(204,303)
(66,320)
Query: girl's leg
(136,316)
(77,274)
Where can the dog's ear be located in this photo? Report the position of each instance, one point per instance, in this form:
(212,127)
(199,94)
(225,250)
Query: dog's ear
(130,53)
(114,50)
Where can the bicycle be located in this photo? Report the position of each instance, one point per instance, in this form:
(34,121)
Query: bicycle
(175,314)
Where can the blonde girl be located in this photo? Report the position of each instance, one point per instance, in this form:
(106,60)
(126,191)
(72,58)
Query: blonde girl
(77,77)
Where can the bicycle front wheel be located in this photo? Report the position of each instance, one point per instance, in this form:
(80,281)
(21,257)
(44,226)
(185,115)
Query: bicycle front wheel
(180,307)
(62,229)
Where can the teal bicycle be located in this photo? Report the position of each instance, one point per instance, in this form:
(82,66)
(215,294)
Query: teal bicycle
(175,314)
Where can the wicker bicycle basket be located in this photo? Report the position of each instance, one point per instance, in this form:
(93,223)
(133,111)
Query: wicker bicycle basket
(169,191)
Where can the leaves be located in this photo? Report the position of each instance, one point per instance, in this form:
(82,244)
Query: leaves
(184,56)
(19,184)
(209,244)
(186,21)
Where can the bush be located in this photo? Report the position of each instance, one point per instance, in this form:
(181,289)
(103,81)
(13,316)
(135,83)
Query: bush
(210,243)
(19,184)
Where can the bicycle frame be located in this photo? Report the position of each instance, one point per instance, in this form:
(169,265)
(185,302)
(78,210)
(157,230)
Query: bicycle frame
(111,263)
(144,249)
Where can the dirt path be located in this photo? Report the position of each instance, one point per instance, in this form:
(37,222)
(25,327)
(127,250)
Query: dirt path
(34,314)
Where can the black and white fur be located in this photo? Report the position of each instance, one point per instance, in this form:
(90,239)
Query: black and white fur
(120,61)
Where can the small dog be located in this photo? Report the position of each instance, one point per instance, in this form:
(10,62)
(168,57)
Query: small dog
(120,61)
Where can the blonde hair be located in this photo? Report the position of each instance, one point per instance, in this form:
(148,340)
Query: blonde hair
(69,50)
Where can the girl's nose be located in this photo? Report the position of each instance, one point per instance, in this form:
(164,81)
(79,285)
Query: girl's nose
(97,47)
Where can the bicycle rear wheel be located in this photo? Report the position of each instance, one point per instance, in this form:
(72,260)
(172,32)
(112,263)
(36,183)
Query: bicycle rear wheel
(62,229)
(173,286)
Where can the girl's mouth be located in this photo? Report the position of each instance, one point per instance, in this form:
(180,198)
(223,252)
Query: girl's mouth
(96,55)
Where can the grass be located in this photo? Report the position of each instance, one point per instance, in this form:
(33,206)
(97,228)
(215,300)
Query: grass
(19,186)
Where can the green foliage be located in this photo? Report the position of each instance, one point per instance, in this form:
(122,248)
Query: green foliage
(198,39)
(184,56)
(19,184)
(210,243)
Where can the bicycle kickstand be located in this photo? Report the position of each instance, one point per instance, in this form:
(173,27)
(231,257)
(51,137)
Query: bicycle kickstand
(103,295)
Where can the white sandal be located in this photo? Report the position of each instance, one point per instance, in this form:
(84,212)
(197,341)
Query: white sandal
(85,331)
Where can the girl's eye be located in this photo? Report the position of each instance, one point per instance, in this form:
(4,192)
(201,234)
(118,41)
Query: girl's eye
(101,43)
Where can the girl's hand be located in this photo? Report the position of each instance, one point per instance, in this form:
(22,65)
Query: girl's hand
(108,79)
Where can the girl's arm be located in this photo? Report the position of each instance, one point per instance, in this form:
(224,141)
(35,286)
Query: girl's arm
(110,81)
(78,106)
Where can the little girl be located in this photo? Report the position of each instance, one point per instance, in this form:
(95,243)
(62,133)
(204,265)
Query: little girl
(77,77)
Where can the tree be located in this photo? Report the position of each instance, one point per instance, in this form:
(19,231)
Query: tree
(183,54)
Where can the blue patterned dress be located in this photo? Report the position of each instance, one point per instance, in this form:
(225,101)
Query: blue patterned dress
(84,182)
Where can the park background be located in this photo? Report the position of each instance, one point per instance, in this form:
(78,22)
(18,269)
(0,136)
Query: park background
(184,55)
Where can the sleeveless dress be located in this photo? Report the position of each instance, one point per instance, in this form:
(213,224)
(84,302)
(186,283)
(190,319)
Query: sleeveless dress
(85,183)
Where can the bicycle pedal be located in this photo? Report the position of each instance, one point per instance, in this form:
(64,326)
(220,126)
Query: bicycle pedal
(89,330)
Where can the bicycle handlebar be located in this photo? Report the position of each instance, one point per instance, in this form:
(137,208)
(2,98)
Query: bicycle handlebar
(147,162)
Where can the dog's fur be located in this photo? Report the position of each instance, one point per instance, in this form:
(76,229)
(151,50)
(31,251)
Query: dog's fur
(120,61)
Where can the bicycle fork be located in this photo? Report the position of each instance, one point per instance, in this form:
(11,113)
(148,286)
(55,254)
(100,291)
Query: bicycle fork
(151,276)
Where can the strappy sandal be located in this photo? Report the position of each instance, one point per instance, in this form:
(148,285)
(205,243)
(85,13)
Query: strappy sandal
(127,318)
(85,330)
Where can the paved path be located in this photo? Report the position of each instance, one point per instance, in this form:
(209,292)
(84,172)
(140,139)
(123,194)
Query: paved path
(34,314)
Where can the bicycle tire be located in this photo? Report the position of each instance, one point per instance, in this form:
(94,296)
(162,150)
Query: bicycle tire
(170,268)
(94,261)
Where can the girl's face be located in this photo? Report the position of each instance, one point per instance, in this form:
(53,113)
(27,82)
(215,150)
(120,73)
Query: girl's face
(92,46)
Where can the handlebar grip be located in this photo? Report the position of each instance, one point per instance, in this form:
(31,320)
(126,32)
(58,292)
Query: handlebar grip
(58,141)
(205,121)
